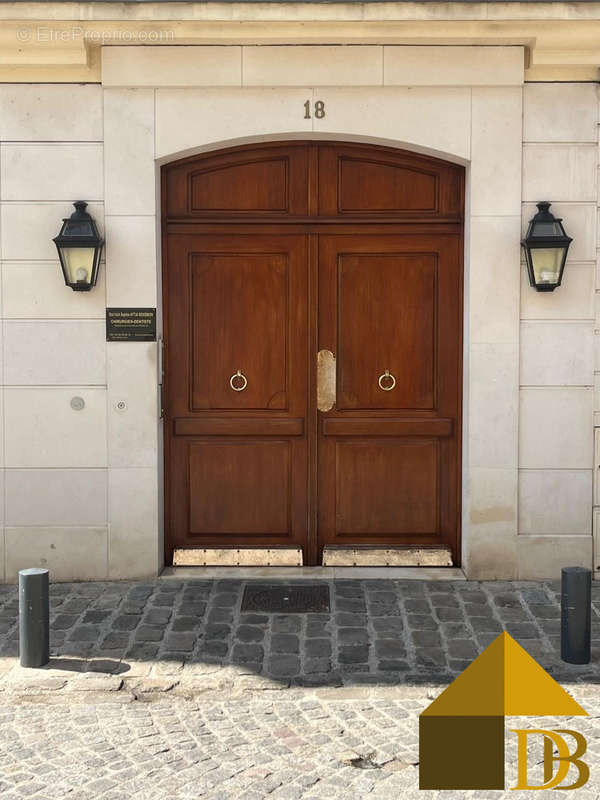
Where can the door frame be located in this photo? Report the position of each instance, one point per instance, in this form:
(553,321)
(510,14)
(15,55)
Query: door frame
(311,228)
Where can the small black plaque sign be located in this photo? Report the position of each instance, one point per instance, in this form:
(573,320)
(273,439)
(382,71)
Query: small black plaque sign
(130,324)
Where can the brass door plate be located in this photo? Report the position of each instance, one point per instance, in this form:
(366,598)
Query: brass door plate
(387,557)
(326,378)
(238,557)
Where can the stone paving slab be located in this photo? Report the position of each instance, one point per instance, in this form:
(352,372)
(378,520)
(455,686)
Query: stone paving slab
(378,632)
(304,744)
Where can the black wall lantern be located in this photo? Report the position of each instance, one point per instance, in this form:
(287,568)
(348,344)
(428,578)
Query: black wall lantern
(79,248)
(546,246)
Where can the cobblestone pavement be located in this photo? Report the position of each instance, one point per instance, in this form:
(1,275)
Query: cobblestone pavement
(378,631)
(167,690)
(304,744)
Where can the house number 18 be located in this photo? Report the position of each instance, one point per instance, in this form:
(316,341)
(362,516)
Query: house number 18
(319,109)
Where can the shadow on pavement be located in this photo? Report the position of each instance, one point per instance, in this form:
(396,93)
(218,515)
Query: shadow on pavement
(368,633)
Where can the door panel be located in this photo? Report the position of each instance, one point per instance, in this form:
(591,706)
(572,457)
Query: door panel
(390,302)
(381,182)
(238,459)
(254,186)
(371,186)
(386,487)
(269,181)
(240,487)
(387,318)
(239,308)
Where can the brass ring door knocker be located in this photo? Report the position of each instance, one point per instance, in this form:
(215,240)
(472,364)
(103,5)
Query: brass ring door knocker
(236,378)
(389,379)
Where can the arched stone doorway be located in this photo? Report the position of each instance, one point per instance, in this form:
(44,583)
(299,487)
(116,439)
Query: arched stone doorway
(273,254)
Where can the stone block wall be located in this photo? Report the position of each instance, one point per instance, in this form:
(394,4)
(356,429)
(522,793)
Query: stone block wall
(560,163)
(76,487)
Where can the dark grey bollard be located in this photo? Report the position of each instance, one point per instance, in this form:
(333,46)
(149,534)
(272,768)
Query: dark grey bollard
(34,617)
(576,615)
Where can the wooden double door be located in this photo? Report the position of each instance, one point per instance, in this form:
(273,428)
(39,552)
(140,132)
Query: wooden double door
(312,331)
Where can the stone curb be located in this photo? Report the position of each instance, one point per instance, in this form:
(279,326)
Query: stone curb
(125,696)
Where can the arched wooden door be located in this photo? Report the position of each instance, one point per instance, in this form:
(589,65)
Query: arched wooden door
(272,253)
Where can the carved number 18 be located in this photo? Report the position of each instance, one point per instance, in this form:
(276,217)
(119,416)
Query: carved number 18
(319,109)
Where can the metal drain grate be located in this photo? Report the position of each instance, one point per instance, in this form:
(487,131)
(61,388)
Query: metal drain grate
(286,599)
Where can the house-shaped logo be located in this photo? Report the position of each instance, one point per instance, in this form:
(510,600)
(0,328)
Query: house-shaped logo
(461,734)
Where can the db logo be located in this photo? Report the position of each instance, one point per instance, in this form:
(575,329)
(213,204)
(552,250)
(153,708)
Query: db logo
(461,734)
(552,740)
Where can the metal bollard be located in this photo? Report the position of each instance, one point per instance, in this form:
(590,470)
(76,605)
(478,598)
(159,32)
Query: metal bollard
(576,611)
(34,617)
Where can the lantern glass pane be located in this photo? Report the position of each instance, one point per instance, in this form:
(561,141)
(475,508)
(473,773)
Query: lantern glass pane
(547,229)
(79,262)
(546,262)
(79,227)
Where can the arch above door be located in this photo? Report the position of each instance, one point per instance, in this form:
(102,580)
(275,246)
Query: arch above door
(281,180)
(277,251)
